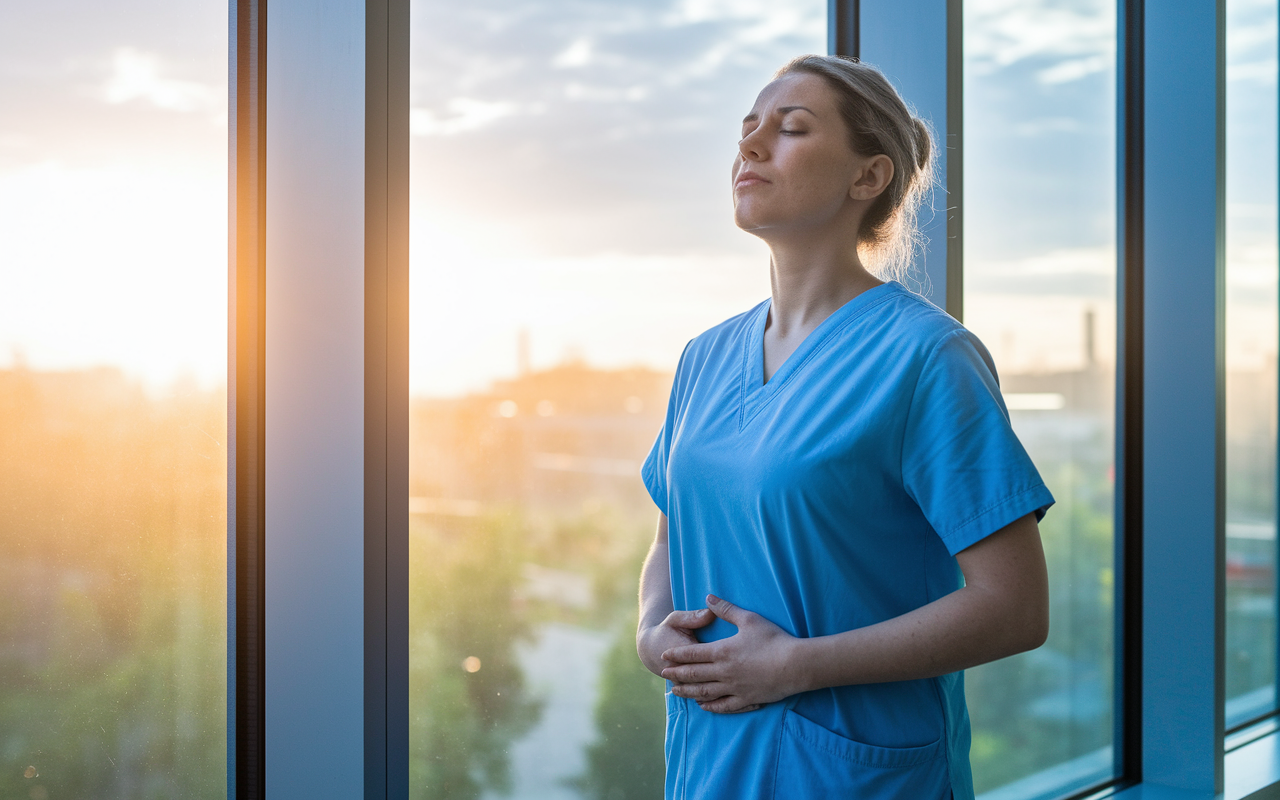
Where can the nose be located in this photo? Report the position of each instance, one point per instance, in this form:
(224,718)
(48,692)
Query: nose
(752,147)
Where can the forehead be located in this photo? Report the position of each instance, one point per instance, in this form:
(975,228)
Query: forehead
(795,89)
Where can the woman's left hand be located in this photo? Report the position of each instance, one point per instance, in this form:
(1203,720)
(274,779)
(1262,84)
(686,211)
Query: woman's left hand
(757,665)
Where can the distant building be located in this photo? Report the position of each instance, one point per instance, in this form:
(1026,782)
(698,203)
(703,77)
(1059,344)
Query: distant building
(555,440)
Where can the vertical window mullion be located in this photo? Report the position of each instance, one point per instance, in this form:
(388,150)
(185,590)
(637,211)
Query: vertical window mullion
(386,400)
(246,401)
(842,27)
(1129,408)
(318,531)
(1183,579)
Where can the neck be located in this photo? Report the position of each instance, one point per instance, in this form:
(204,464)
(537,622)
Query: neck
(811,278)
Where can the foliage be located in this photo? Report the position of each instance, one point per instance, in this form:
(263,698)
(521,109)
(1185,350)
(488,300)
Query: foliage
(1039,709)
(112,598)
(463,606)
(466,602)
(112,603)
(626,760)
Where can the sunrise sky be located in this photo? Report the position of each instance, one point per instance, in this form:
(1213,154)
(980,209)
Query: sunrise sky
(570,179)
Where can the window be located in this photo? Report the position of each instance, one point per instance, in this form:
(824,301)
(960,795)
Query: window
(570,168)
(1039,282)
(552,210)
(112,400)
(1251,361)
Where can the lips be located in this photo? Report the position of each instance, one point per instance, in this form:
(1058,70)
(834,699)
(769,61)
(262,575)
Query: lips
(748,178)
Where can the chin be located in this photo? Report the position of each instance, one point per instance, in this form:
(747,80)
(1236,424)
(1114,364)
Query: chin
(754,225)
(751,223)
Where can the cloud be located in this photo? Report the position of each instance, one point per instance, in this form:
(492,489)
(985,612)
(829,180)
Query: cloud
(623,94)
(1074,69)
(1251,43)
(464,114)
(744,26)
(136,76)
(1078,40)
(1063,261)
(766,19)
(654,49)
(1039,126)
(1082,272)
(577,54)
(1262,72)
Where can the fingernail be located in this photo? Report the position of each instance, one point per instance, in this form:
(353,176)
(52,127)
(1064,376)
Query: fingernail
(712,600)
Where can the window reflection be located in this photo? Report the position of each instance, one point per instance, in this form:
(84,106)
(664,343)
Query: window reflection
(1251,359)
(113,267)
(570,171)
(1039,267)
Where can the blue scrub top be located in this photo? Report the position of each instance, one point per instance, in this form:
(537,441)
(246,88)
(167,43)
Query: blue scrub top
(833,497)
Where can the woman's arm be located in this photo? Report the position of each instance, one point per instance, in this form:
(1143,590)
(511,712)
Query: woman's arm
(1002,609)
(661,626)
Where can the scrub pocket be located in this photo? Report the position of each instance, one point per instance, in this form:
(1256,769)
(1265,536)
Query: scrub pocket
(673,747)
(816,764)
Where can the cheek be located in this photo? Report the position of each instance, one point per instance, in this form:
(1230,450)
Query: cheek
(819,179)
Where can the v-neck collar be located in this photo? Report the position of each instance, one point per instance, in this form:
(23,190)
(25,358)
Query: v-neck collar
(756,394)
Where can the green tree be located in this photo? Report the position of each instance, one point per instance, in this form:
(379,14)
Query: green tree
(112,588)
(1039,709)
(626,760)
(467,693)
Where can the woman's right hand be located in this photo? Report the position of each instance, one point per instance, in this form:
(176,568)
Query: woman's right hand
(674,631)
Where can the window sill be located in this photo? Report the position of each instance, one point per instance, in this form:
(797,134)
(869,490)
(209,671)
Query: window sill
(1253,769)
(1252,773)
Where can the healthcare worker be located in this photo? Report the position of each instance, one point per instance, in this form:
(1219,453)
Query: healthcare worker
(827,461)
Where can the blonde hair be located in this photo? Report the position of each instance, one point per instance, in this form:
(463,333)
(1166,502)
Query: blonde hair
(880,122)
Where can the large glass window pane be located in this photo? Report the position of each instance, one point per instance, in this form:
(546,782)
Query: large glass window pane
(1251,359)
(1039,272)
(571,231)
(113,269)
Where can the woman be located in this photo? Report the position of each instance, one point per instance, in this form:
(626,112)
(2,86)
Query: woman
(827,460)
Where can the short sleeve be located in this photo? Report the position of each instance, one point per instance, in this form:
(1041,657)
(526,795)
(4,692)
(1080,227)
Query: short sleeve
(961,461)
(654,469)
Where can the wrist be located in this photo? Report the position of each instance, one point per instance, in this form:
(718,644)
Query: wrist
(798,663)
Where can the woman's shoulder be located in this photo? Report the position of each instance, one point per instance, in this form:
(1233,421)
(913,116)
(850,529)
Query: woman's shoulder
(933,334)
(916,316)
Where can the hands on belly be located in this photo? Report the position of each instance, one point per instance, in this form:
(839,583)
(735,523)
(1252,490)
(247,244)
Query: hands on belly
(674,631)
(753,667)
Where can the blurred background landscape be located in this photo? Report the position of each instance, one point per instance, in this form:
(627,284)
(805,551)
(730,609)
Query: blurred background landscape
(571,231)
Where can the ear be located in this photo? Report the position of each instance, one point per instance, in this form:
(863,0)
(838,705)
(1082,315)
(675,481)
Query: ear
(871,178)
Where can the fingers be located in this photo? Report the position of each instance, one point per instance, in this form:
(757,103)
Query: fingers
(729,705)
(693,673)
(691,654)
(728,611)
(702,692)
(700,618)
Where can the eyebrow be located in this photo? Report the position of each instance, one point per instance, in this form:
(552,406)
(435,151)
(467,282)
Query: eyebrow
(784,110)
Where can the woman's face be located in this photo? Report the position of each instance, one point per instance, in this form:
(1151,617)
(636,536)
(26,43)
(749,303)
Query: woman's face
(795,168)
